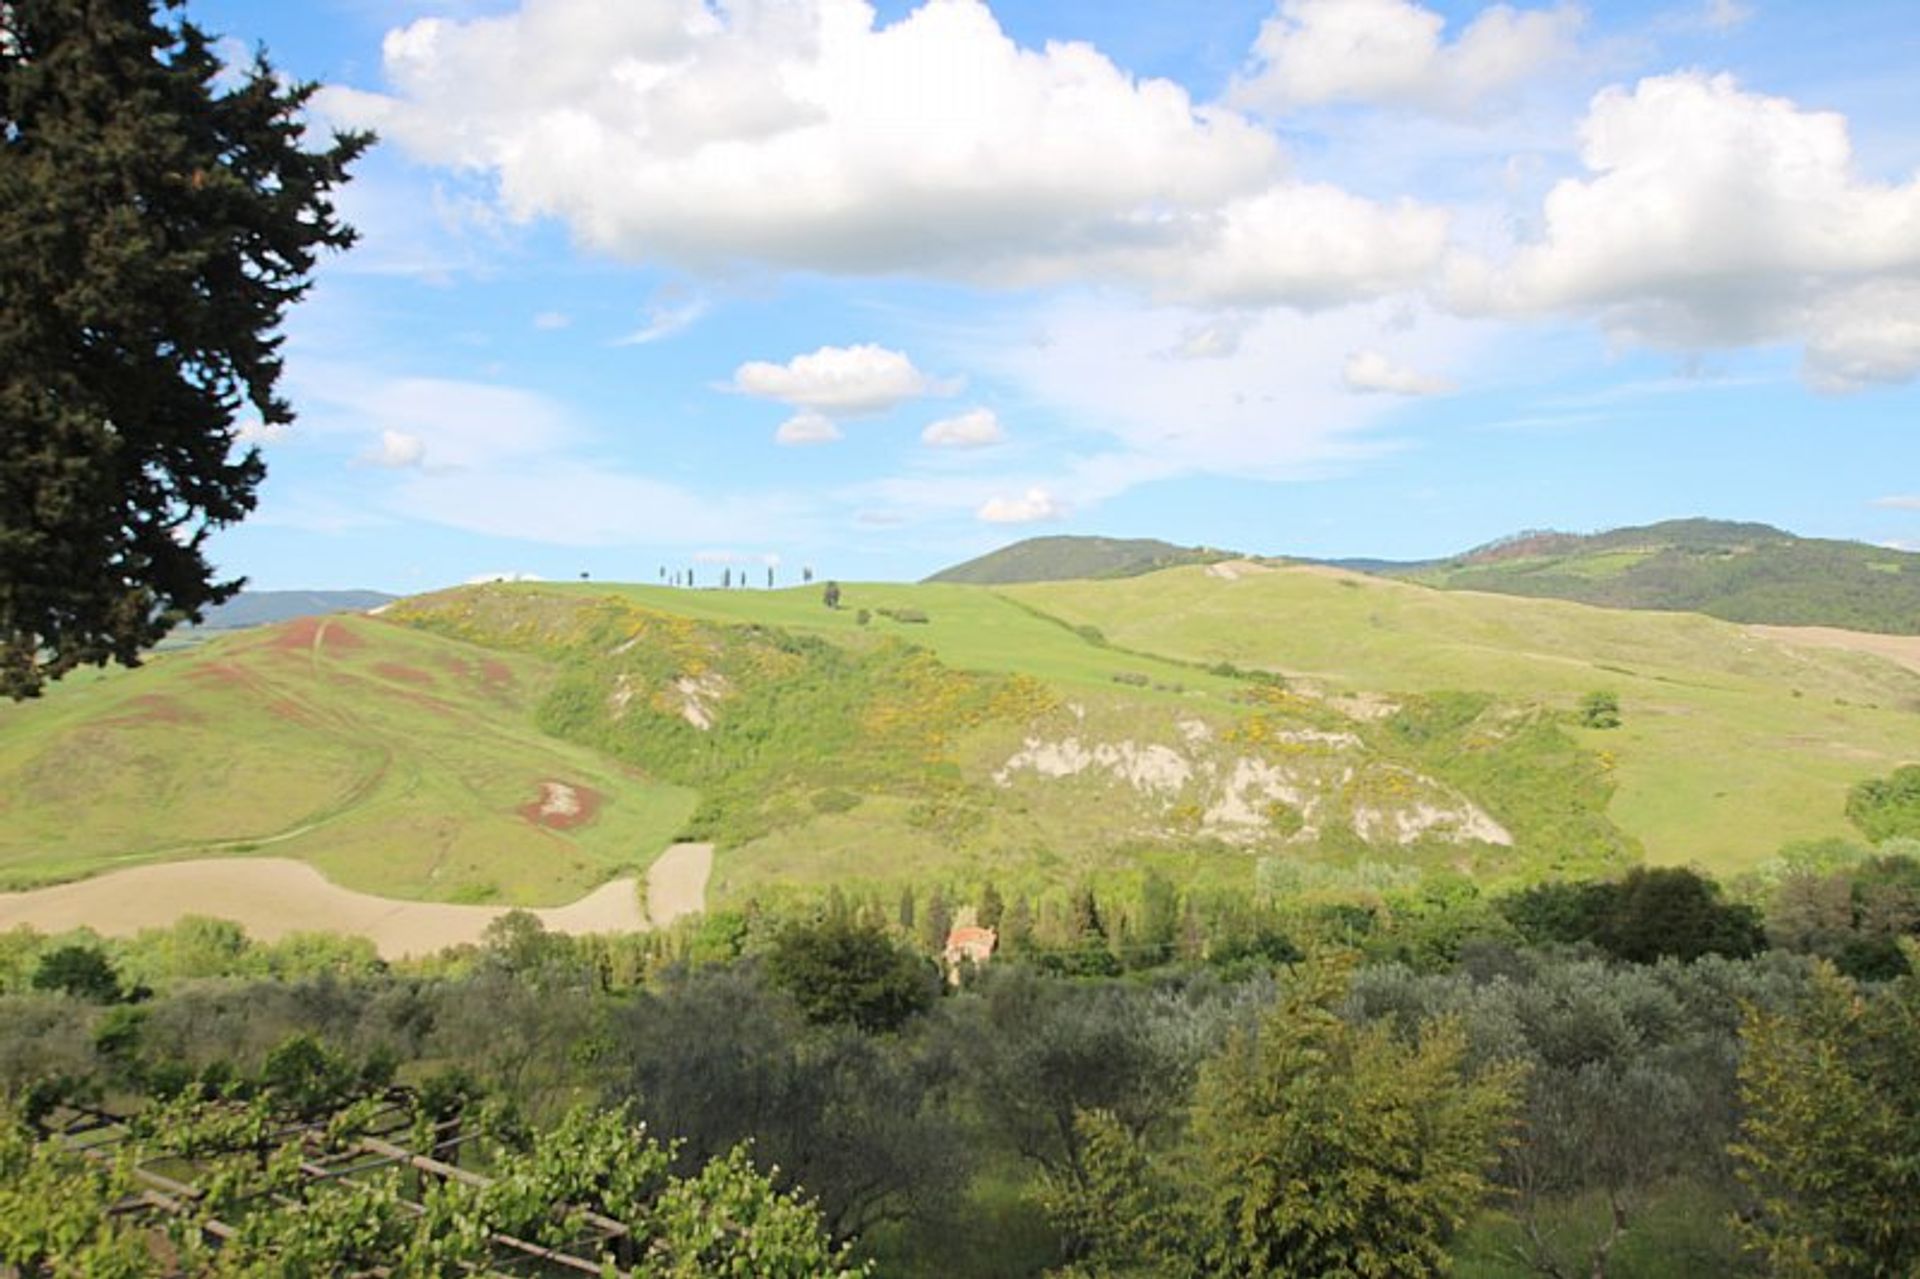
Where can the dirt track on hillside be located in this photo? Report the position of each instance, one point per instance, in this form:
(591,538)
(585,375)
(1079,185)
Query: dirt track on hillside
(273,896)
(677,883)
(1903,650)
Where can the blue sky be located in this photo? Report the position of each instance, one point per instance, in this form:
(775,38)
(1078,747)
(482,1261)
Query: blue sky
(653,283)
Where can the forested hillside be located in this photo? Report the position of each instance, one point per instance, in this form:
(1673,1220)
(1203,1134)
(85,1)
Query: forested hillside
(1741,572)
(1057,559)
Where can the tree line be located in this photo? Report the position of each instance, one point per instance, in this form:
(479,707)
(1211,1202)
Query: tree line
(1517,1082)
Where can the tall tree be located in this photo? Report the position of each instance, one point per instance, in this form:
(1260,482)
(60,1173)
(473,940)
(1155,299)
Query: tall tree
(1830,1145)
(155,224)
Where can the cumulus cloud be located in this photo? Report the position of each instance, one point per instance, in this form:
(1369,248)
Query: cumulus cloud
(1031,507)
(396,451)
(1714,216)
(848,380)
(1370,372)
(1309,245)
(810,136)
(976,428)
(1865,336)
(807,427)
(1392,52)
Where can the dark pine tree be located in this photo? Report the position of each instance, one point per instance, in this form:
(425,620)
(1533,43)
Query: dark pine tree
(156,221)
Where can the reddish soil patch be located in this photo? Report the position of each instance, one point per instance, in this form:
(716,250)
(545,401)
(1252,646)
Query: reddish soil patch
(219,675)
(491,676)
(337,636)
(154,708)
(298,635)
(404,674)
(330,633)
(562,806)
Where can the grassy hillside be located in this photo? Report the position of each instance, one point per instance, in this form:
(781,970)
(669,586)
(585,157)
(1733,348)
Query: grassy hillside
(1733,742)
(395,761)
(1055,559)
(1036,733)
(1740,572)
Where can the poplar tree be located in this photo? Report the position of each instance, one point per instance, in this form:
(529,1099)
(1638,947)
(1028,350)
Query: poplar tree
(157,218)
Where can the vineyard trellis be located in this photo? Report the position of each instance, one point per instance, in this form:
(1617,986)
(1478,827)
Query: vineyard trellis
(385,1143)
(383,1184)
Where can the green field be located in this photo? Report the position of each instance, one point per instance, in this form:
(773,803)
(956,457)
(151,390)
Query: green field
(395,762)
(1733,744)
(400,754)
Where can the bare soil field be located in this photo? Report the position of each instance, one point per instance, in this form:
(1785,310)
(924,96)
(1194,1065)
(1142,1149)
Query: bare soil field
(273,896)
(1901,649)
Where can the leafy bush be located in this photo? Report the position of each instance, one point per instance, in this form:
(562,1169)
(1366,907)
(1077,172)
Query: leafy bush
(1887,807)
(1600,709)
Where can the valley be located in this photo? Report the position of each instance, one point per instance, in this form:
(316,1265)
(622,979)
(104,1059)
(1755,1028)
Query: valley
(523,744)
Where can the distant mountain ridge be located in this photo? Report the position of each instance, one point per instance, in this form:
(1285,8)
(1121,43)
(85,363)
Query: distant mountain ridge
(262,608)
(1072,558)
(1740,572)
(1732,570)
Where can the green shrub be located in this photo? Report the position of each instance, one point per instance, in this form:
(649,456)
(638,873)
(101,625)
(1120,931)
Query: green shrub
(1600,709)
(1887,807)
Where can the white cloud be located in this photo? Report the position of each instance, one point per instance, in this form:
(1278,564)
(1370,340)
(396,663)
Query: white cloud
(847,380)
(397,450)
(460,425)
(1865,336)
(1213,339)
(1725,15)
(1268,410)
(807,136)
(1391,52)
(670,312)
(511,575)
(1370,372)
(252,431)
(1899,502)
(1713,216)
(1034,505)
(1304,245)
(807,427)
(551,321)
(976,428)
(509,462)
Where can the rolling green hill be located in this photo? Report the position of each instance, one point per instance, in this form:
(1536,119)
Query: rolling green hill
(1740,572)
(396,762)
(1735,741)
(1221,722)
(1059,559)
